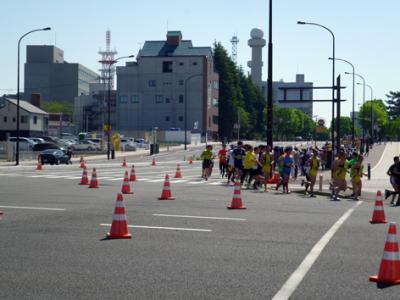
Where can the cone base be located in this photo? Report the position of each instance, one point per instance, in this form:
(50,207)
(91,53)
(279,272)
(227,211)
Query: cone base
(233,207)
(389,282)
(127,192)
(122,236)
(130,180)
(93,187)
(378,222)
(177,176)
(83,183)
(169,198)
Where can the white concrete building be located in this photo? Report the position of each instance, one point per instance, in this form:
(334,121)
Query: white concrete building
(33,120)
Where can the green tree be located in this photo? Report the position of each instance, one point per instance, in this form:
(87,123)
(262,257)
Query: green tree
(379,114)
(346,125)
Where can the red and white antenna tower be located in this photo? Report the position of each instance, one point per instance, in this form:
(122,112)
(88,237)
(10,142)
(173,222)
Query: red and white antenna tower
(107,57)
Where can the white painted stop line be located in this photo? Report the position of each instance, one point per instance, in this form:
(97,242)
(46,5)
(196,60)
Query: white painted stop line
(165,228)
(32,207)
(199,217)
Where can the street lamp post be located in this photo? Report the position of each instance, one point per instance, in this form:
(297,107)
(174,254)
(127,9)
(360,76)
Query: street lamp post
(186,104)
(333,75)
(269,82)
(363,80)
(18,131)
(353,108)
(109,103)
(371,111)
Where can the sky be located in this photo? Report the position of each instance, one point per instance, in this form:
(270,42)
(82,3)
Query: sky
(366,31)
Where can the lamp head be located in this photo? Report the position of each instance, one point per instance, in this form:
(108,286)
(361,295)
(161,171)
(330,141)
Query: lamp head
(330,58)
(347,73)
(301,23)
(47,28)
(130,56)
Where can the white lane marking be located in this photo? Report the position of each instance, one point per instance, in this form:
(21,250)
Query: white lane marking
(216,183)
(199,217)
(196,182)
(106,178)
(178,181)
(156,180)
(297,276)
(33,208)
(380,160)
(166,228)
(115,179)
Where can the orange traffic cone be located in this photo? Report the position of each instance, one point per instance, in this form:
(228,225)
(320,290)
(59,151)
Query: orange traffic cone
(81,160)
(153,162)
(178,172)
(191,160)
(124,163)
(389,271)
(378,215)
(237,198)
(166,192)
(119,226)
(84,179)
(82,165)
(274,179)
(39,164)
(133,174)
(126,188)
(94,184)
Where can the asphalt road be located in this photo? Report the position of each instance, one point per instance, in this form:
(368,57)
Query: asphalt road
(52,245)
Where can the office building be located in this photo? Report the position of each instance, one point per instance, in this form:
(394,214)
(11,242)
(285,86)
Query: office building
(153,90)
(47,73)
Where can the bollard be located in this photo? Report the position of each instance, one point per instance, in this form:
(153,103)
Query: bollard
(321,179)
(369,171)
(184,158)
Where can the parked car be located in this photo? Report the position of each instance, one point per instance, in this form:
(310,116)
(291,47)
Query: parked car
(54,156)
(46,146)
(85,145)
(25,144)
(37,140)
(127,145)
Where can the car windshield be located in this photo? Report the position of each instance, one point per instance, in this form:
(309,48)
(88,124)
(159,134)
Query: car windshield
(50,151)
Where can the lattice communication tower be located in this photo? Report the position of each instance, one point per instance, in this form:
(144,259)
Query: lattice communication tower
(107,58)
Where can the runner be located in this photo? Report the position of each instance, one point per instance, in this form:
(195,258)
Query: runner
(222,155)
(314,164)
(356,174)
(207,157)
(352,162)
(248,165)
(231,165)
(339,168)
(238,157)
(287,169)
(279,164)
(394,173)
(266,161)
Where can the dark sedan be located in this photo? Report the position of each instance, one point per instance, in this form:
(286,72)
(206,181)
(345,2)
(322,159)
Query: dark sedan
(46,146)
(54,156)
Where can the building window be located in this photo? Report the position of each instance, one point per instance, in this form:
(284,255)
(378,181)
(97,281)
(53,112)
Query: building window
(209,121)
(181,63)
(180,98)
(24,119)
(135,99)
(194,63)
(123,99)
(14,120)
(180,119)
(167,118)
(181,82)
(215,102)
(215,84)
(167,100)
(167,83)
(5,119)
(152,83)
(34,119)
(215,119)
(159,99)
(167,66)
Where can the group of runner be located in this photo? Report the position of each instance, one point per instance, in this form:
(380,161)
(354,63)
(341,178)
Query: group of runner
(255,166)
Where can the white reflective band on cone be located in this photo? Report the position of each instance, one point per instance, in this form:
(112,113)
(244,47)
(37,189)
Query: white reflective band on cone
(391,238)
(119,204)
(119,217)
(378,208)
(391,255)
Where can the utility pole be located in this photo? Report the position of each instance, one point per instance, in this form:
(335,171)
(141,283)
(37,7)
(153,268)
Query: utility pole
(269,81)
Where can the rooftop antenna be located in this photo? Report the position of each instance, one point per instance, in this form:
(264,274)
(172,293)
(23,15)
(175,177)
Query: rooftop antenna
(235,42)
